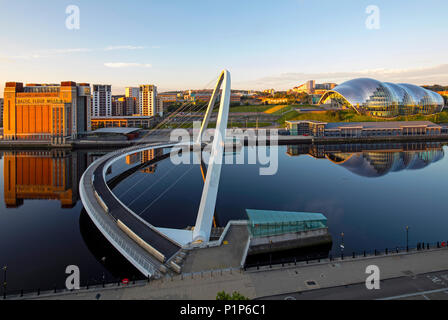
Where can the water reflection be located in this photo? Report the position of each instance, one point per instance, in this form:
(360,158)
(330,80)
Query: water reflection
(49,175)
(375,160)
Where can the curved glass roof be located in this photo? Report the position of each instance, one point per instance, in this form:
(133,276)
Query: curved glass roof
(385,99)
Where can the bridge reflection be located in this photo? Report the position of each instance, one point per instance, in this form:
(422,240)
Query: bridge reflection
(116,265)
(375,160)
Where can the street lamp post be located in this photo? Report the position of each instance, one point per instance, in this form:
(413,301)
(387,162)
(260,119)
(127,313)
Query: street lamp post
(407,238)
(4,281)
(342,245)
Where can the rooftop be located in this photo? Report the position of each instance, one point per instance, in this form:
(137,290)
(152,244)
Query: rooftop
(116,130)
(381,125)
(123,117)
(269,216)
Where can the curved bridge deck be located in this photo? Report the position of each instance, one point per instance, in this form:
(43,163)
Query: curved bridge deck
(108,213)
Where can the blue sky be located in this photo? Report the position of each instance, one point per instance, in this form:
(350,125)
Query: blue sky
(185,43)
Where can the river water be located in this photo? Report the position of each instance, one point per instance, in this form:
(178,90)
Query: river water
(370,193)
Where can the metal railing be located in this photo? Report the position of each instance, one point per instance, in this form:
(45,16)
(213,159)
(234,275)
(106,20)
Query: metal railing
(342,256)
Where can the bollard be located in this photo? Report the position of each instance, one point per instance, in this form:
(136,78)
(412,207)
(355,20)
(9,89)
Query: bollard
(38,292)
(342,256)
(295,261)
(283,263)
(438,245)
(387,251)
(21,293)
(375,252)
(427,246)
(353,255)
(397,250)
(331,257)
(364,253)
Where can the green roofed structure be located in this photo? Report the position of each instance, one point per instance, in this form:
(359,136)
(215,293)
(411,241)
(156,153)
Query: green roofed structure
(265,223)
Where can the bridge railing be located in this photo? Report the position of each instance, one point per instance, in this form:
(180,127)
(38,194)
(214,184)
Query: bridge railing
(117,238)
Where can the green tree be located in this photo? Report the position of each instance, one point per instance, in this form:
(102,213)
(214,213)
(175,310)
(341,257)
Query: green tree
(235,296)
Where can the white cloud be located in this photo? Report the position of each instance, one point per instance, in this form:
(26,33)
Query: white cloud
(48,53)
(39,54)
(127,47)
(126,65)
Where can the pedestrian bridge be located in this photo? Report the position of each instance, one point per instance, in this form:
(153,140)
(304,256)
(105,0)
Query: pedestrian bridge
(154,251)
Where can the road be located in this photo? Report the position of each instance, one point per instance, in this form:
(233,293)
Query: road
(429,286)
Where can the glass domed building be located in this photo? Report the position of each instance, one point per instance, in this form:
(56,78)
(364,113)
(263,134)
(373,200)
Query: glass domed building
(384,99)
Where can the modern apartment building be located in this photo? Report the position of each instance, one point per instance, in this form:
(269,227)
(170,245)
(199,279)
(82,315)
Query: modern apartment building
(134,92)
(101,100)
(148,101)
(130,106)
(311,87)
(124,106)
(49,112)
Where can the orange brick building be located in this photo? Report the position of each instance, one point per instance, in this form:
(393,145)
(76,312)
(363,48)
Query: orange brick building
(46,112)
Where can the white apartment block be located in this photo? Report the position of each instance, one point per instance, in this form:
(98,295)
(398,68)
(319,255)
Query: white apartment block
(101,100)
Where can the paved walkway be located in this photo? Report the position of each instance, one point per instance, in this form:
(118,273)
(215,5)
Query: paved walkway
(270,282)
(228,255)
(429,286)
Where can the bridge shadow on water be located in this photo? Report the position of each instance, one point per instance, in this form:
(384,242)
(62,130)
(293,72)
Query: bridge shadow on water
(115,264)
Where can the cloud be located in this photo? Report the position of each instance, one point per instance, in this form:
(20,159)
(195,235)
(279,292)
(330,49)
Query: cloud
(48,53)
(126,65)
(419,76)
(39,54)
(110,48)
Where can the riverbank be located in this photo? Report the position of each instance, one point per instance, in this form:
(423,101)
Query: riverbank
(267,281)
(282,140)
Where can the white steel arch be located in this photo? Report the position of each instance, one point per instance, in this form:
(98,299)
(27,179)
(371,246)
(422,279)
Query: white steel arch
(206,211)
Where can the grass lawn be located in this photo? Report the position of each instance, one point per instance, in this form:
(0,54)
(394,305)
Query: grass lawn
(213,125)
(264,108)
(260,108)
(351,116)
